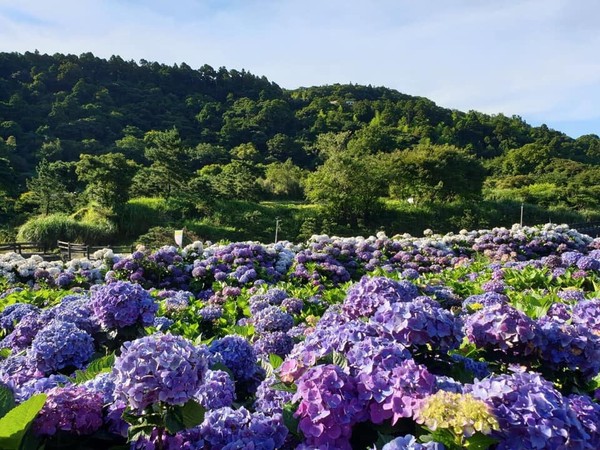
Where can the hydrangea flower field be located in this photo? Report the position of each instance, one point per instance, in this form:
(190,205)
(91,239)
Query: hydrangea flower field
(480,339)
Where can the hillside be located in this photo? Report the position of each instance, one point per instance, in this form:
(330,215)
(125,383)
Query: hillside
(231,133)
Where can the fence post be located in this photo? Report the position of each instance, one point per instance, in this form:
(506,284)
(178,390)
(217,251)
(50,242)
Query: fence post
(69,251)
(87,251)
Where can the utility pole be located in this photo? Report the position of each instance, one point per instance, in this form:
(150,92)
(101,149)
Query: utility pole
(277,221)
(522,204)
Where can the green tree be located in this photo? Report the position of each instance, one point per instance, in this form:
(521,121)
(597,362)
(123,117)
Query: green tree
(46,191)
(435,172)
(284,180)
(107,178)
(237,180)
(527,159)
(170,161)
(346,187)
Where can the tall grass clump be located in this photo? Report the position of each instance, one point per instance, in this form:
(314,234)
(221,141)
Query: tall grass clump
(46,230)
(140,214)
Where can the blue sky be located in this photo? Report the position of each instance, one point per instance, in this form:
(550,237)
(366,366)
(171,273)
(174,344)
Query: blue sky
(537,59)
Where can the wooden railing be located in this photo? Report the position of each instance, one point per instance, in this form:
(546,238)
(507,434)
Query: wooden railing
(63,250)
(69,250)
(23,248)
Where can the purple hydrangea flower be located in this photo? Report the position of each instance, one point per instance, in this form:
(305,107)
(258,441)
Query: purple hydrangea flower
(60,345)
(24,332)
(71,408)
(502,327)
(217,390)
(558,312)
(270,401)
(496,286)
(571,295)
(588,263)
(375,352)
(483,300)
(571,346)
(328,406)
(570,258)
(120,304)
(292,305)
(396,393)
(16,370)
(364,297)
(159,368)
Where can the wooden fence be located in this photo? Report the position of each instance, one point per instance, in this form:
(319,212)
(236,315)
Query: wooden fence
(70,250)
(63,250)
(24,248)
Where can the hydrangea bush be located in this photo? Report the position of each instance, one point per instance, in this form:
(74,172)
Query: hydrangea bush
(433,342)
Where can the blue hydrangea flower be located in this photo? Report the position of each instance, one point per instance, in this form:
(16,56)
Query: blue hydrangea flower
(162,323)
(276,343)
(60,345)
(237,354)
(104,384)
(211,312)
(12,314)
(76,309)
(272,318)
(409,442)
(418,323)
(230,429)
(178,301)
(532,414)
(159,368)
(39,385)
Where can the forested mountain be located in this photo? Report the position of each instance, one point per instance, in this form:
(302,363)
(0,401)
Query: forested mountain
(165,131)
